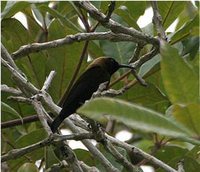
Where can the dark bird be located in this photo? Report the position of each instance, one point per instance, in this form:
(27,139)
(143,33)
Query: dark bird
(98,72)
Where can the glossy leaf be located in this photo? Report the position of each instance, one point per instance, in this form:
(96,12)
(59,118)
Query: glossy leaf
(134,116)
(180,80)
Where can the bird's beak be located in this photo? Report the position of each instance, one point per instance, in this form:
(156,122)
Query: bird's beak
(126,66)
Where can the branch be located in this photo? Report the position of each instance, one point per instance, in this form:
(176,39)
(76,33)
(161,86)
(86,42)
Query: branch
(114,26)
(48,81)
(157,21)
(181,166)
(131,148)
(5,88)
(35,47)
(146,57)
(6,56)
(93,150)
(120,158)
(53,139)
(111,8)
(15,122)
(54,108)
(19,78)
(136,54)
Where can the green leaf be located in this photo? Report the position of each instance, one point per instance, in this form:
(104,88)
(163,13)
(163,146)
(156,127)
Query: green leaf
(188,115)
(169,152)
(12,7)
(131,11)
(14,34)
(62,18)
(150,97)
(134,116)
(5,108)
(186,30)
(146,67)
(62,59)
(85,156)
(169,11)
(31,138)
(30,167)
(121,51)
(180,80)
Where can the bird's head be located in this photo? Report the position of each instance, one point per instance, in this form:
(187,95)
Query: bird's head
(109,64)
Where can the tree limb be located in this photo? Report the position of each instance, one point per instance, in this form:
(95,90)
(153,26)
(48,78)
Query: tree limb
(69,39)
(114,26)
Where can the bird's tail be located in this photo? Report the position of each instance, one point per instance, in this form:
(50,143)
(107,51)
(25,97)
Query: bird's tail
(56,123)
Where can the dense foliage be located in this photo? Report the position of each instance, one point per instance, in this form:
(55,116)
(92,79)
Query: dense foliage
(164,116)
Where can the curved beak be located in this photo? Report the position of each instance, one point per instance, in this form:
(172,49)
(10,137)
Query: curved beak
(126,66)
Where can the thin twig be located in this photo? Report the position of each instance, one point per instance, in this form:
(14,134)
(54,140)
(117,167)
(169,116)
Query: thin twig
(16,122)
(136,54)
(120,158)
(157,20)
(5,88)
(27,85)
(48,81)
(111,8)
(181,166)
(20,99)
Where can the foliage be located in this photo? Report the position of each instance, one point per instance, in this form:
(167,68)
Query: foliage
(166,112)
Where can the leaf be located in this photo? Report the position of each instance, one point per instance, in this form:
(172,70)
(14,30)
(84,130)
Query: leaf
(186,30)
(150,97)
(12,7)
(131,11)
(169,152)
(14,34)
(180,80)
(169,11)
(188,115)
(85,156)
(189,12)
(121,51)
(62,59)
(31,138)
(62,18)
(134,116)
(146,67)
(30,167)
(38,15)
(5,108)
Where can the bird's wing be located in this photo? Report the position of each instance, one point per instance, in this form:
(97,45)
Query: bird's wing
(86,85)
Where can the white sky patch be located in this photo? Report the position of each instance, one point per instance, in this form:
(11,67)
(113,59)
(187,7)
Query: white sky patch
(123,135)
(22,18)
(147,168)
(172,27)
(75,144)
(145,19)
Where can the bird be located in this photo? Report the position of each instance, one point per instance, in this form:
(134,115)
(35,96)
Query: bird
(98,72)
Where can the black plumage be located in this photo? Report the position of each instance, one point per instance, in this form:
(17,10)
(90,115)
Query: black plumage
(99,71)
